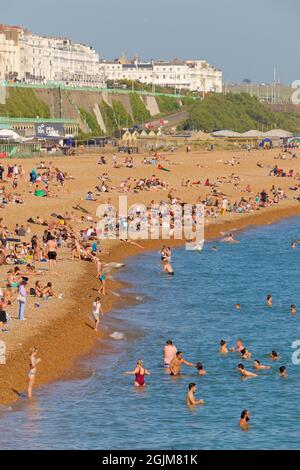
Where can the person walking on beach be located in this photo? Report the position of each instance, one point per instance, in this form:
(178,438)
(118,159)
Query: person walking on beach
(51,252)
(190,397)
(170,351)
(140,372)
(34,361)
(102,279)
(177,362)
(22,299)
(96,312)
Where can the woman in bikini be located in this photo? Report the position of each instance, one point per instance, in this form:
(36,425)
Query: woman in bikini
(34,361)
(139,373)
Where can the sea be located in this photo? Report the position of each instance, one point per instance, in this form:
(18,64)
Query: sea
(101,409)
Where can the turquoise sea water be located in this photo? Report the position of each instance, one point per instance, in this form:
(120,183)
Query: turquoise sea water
(196,310)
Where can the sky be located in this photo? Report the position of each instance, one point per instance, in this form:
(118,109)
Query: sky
(245,38)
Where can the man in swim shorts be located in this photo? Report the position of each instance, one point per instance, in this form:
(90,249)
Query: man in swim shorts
(177,362)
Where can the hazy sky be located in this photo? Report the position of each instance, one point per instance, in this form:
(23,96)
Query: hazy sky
(245,38)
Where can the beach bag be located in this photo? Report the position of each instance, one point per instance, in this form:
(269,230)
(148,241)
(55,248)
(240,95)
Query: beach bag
(21,298)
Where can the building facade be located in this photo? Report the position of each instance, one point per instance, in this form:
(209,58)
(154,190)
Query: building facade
(194,75)
(31,58)
(9,52)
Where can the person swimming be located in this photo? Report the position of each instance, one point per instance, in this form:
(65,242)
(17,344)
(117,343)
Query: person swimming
(282,371)
(274,356)
(245,354)
(190,397)
(270,300)
(200,369)
(258,366)
(238,306)
(293,309)
(229,239)
(244,372)
(223,347)
(244,420)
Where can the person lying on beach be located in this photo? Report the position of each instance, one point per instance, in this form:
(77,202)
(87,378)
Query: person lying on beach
(244,372)
(12,279)
(190,397)
(258,366)
(140,372)
(200,369)
(244,420)
(177,362)
(130,242)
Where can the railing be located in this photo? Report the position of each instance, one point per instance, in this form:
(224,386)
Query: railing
(55,85)
(20,120)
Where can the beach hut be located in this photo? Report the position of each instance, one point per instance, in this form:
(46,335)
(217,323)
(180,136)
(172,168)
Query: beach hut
(253,134)
(226,134)
(278,133)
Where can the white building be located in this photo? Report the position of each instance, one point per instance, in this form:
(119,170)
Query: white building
(193,75)
(40,59)
(9,52)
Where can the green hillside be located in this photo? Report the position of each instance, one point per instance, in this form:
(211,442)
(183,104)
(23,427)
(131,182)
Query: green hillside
(23,102)
(238,112)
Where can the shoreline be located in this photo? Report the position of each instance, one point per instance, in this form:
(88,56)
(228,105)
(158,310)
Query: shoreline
(73,330)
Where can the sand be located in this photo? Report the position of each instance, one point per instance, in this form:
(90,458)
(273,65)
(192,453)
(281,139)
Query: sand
(61,328)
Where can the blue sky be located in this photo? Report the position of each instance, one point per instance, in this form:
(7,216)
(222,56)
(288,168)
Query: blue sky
(245,38)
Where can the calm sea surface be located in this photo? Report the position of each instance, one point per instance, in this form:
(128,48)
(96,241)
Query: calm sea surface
(196,310)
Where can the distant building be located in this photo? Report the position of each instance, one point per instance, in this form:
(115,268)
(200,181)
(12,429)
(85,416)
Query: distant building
(39,59)
(30,58)
(194,75)
(9,52)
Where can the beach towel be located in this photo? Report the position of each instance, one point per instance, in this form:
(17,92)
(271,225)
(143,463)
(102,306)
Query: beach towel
(40,193)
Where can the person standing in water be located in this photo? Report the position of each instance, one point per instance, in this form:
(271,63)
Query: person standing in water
(166,254)
(170,351)
(177,362)
(190,397)
(34,361)
(244,420)
(140,372)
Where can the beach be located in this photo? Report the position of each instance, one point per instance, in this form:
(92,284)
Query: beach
(60,327)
